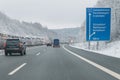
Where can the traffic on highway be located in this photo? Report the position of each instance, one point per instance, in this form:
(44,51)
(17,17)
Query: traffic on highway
(59,39)
(58,63)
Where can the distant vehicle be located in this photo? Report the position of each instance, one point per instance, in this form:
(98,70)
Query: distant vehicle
(49,44)
(14,46)
(56,43)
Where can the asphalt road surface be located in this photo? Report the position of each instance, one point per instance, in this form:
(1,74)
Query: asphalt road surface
(64,63)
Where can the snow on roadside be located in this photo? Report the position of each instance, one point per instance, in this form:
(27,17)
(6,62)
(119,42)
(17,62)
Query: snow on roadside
(112,49)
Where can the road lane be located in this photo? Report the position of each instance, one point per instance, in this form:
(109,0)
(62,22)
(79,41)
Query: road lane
(58,64)
(9,63)
(108,71)
(106,61)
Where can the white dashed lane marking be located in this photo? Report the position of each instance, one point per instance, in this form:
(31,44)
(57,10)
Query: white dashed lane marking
(38,54)
(17,69)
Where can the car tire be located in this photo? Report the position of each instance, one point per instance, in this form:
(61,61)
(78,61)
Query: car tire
(6,54)
(25,52)
(10,54)
(21,53)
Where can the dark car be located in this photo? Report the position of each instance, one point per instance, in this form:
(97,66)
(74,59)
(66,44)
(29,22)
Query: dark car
(14,46)
(49,44)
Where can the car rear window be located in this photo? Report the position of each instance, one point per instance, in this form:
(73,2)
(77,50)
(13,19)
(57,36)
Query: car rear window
(12,41)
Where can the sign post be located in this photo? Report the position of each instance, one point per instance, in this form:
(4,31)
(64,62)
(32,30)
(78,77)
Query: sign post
(98,21)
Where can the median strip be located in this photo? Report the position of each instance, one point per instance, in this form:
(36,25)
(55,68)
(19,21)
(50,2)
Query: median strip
(17,69)
(108,71)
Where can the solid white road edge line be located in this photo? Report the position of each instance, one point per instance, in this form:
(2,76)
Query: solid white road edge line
(108,71)
(38,54)
(17,69)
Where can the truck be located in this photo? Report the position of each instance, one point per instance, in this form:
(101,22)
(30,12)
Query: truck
(56,43)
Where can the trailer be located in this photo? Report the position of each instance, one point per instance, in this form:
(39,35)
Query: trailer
(56,43)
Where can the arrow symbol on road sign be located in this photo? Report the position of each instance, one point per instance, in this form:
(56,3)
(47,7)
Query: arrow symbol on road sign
(92,34)
(89,24)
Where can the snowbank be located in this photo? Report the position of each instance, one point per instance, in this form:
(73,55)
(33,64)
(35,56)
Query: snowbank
(113,49)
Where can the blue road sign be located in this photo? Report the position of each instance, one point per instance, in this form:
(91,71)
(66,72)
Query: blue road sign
(98,22)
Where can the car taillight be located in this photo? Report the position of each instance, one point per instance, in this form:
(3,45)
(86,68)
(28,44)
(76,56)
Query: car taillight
(4,45)
(20,44)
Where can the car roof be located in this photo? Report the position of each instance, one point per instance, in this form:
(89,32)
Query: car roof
(12,39)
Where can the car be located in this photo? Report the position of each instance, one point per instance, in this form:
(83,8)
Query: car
(49,44)
(14,46)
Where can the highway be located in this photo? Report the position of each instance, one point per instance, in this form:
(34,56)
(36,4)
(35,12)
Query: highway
(64,63)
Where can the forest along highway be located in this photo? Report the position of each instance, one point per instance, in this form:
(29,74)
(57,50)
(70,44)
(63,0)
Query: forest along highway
(64,63)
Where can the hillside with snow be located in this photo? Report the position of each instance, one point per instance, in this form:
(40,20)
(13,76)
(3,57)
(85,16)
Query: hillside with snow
(15,27)
(67,34)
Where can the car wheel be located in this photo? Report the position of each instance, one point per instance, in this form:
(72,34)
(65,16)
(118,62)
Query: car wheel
(6,54)
(21,53)
(25,52)
(10,54)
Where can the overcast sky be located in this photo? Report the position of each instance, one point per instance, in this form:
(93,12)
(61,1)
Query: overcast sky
(50,13)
